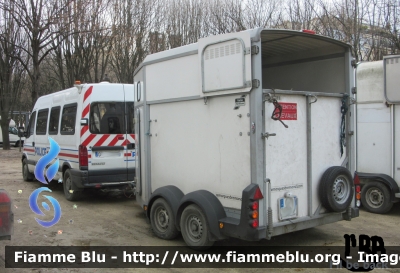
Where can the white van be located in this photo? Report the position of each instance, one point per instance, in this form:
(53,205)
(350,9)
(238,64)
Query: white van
(93,125)
(12,135)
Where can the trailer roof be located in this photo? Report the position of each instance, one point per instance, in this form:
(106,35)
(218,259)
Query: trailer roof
(275,42)
(285,42)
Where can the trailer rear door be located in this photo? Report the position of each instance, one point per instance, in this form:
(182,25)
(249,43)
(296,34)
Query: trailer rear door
(298,155)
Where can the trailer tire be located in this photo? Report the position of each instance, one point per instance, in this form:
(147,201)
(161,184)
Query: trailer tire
(67,186)
(162,220)
(375,197)
(336,189)
(26,175)
(194,228)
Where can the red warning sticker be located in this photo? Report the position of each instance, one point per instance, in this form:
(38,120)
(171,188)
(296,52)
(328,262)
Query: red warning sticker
(289,111)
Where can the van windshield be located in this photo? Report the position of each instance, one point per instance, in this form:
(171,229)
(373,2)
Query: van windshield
(107,118)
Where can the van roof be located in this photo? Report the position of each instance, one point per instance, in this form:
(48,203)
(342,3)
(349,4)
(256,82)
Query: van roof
(72,92)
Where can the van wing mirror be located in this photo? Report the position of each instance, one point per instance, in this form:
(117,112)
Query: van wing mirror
(21,132)
(84,122)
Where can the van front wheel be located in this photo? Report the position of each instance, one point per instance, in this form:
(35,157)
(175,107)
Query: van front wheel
(194,228)
(69,193)
(26,175)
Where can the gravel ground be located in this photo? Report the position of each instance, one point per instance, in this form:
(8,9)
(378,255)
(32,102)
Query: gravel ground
(116,220)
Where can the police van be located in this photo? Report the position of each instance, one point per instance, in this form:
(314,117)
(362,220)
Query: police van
(93,124)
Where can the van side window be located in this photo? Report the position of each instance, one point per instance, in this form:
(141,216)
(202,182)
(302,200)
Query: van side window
(131,117)
(31,126)
(54,120)
(107,118)
(41,123)
(68,119)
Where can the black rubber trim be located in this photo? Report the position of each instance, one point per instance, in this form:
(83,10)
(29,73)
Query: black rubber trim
(385,179)
(110,175)
(63,166)
(107,148)
(240,228)
(172,195)
(93,179)
(211,207)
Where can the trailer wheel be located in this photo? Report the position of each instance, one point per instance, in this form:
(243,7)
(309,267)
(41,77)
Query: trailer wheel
(26,175)
(194,228)
(70,194)
(375,197)
(162,220)
(336,189)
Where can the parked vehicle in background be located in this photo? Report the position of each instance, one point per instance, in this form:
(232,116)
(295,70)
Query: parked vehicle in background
(93,124)
(6,216)
(237,136)
(378,133)
(13,135)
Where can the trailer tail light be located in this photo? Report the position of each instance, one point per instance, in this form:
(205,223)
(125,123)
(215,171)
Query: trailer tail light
(254,223)
(6,216)
(254,208)
(258,195)
(83,156)
(308,31)
(357,192)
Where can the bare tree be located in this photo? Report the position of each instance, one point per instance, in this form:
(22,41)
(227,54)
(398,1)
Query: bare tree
(391,23)
(11,72)
(37,18)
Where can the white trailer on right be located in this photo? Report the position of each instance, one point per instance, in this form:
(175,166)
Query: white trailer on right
(378,133)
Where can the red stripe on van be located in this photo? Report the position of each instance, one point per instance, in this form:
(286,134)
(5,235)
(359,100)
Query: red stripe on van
(88,93)
(127,154)
(84,129)
(86,111)
(87,140)
(132,135)
(115,140)
(68,155)
(101,140)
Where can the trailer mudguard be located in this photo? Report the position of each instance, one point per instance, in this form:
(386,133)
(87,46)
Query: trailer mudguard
(211,207)
(385,179)
(171,194)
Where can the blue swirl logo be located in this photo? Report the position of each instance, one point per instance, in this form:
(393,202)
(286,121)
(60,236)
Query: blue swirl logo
(35,208)
(50,173)
(45,160)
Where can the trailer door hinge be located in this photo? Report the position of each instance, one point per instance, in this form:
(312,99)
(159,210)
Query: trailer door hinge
(255,83)
(254,50)
(351,133)
(354,90)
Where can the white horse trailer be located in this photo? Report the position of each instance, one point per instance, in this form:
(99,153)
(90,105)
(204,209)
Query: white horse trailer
(378,133)
(246,135)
